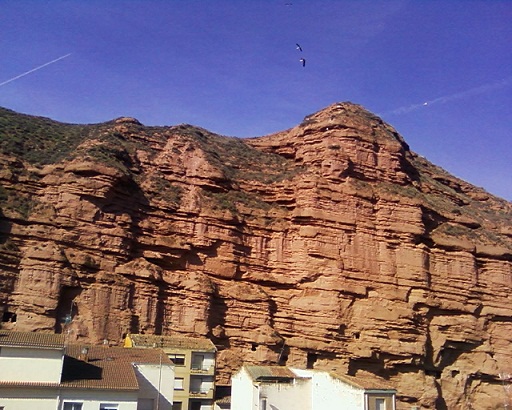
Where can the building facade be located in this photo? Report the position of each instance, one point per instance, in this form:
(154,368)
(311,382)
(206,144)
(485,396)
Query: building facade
(194,361)
(39,371)
(284,388)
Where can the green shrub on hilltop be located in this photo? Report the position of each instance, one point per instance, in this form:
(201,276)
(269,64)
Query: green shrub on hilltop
(238,160)
(14,201)
(38,140)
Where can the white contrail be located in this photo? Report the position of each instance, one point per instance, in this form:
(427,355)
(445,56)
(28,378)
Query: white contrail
(34,69)
(456,96)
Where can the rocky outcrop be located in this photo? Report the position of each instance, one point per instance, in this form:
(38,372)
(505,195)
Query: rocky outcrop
(330,245)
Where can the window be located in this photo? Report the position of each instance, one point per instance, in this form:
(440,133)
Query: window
(108,406)
(195,405)
(177,405)
(201,385)
(178,383)
(197,361)
(72,406)
(178,359)
(380,404)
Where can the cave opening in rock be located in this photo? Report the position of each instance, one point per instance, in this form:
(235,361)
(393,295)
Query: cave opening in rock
(311,360)
(9,317)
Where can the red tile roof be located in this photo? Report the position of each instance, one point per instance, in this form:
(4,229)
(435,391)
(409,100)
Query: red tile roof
(364,381)
(176,342)
(31,339)
(103,368)
(224,400)
(37,385)
(106,368)
(260,373)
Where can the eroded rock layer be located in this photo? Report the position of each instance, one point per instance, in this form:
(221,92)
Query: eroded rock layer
(330,245)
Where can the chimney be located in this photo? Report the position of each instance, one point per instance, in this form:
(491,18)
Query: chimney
(84,354)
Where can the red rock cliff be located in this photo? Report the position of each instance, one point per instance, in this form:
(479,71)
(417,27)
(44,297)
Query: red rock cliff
(329,245)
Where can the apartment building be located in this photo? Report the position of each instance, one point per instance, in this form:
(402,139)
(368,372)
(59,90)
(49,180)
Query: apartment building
(194,361)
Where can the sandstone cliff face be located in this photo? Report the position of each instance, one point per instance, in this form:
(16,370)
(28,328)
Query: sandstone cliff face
(329,245)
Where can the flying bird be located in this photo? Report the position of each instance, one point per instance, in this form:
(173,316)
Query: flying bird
(303,61)
(298,46)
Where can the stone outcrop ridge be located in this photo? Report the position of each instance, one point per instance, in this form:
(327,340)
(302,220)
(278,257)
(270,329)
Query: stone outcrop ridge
(330,245)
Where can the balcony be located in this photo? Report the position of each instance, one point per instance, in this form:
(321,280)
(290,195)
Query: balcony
(203,393)
(210,370)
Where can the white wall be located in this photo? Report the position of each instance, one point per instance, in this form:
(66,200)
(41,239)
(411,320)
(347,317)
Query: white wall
(287,396)
(329,393)
(244,396)
(318,390)
(23,399)
(46,399)
(152,377)
(247,394)
(30,364)
(92,399)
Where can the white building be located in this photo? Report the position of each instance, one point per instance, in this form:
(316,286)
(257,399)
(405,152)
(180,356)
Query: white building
(284,388)
(38,371)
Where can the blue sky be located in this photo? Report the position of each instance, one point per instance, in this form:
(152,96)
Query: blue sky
(231,66)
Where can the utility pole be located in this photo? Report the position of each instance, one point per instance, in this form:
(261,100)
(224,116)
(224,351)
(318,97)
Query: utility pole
(159,374)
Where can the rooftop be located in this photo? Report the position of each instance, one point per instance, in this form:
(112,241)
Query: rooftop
(262,373)
(26,384)
(366,381)
(173,342)
(224,400)
(86,367)
(106,368)
(31,339)
(363,380)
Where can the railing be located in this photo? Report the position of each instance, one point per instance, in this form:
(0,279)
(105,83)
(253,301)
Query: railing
(202,369)
(202,391)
